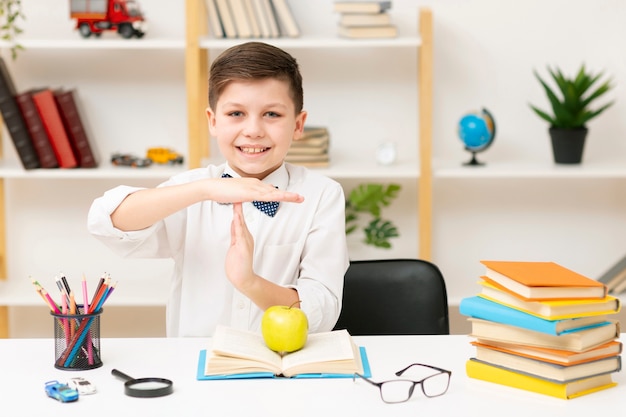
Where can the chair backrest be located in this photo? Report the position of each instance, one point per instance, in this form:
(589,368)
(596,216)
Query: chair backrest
(394,297)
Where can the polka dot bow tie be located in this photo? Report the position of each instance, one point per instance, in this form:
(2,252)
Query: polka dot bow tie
(268,207)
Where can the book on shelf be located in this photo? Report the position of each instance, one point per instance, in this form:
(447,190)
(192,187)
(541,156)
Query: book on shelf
(361,6)
(620,288)
(49,113)
(253,18)
(236,353)
(575,341)
(556,356)
(364,19)
(68,104)
(547,370)
(615,275)
(552,309)
(286,21)
(489,373)
(241,18)
(542,280)
(215,23)
(482,308)
(262,19)
(226,17)
(14,121)
(270,17)
(317,161)
(368,32)
(37,131)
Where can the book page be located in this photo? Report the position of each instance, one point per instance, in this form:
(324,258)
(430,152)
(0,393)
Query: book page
(244,344)
(327,352)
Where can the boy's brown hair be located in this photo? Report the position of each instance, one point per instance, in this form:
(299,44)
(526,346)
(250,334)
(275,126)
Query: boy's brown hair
(255,61)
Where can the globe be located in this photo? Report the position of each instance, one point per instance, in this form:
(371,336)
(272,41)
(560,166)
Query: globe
(477,131)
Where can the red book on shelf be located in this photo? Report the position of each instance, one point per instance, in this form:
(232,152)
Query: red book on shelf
(41,141)
(68,108)
(49,113)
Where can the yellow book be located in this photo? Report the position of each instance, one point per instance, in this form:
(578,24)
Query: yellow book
(552,309)
(566,391)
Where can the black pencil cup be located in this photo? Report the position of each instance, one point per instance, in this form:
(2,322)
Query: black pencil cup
(77,340)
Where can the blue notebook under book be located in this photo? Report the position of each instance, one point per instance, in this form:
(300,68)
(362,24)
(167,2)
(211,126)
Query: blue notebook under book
(252,375)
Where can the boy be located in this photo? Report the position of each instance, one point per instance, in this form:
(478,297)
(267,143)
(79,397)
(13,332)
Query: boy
(232,260)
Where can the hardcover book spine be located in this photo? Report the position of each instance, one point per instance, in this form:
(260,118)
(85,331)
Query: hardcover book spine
(14,121)
(66,101)
(49,113)
(41,142)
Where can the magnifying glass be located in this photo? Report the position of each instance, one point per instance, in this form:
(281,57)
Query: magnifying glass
(145,387)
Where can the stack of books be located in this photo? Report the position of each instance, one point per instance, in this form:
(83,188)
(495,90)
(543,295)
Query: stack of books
(365,19)
(311,149)
(541,327)
(251,19)
(45,125)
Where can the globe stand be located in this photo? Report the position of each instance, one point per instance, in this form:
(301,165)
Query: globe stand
(473,161)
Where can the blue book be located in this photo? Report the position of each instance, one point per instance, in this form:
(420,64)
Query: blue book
(367,372)
(481,308)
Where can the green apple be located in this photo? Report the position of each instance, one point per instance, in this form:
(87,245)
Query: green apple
(285,329)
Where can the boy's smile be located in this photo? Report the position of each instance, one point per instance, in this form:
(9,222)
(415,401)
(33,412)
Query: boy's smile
(254,123)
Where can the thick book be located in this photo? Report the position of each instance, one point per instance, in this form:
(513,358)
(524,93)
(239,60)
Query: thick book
(368,32)
(286,20)
(489,373)
(552,309)
(357,6)
(241,18)
(542,280)
(576,341)
(215,24)
(482,308)
(365,19)
(49,113)
(547,370)
(557,356)
(236,354)
(67,102)
(41,141)
(14,121)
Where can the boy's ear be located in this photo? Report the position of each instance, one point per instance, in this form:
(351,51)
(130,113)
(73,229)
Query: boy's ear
(300,119)
(210,114)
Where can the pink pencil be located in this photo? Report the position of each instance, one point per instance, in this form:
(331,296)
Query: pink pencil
(85,310)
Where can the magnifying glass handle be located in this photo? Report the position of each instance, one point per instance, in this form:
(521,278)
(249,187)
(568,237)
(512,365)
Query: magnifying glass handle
(121,374)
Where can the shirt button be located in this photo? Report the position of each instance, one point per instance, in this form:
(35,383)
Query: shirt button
(241,305)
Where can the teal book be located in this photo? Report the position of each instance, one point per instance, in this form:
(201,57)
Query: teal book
(201,376)
(481,308)
(242,354)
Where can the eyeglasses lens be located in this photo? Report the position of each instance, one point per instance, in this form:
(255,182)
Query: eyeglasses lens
(436,385)
(396,391)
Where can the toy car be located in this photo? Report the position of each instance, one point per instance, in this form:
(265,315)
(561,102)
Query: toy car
(61,392)
(164,156)
(82,385)
(124,159)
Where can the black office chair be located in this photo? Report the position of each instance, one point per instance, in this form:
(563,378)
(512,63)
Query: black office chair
(394,297)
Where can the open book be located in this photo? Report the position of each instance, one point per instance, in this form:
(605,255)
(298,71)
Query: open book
(243,354)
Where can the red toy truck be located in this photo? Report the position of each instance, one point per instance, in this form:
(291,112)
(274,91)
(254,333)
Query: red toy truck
(96,16)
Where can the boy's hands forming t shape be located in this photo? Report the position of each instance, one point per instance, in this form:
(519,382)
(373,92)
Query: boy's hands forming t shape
(239,256)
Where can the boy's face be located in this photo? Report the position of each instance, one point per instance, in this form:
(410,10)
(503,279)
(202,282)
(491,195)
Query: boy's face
(254,123)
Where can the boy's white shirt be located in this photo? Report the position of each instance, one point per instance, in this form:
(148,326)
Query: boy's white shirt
(303,247)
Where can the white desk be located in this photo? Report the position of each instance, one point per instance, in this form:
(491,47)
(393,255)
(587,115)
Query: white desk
(26,364)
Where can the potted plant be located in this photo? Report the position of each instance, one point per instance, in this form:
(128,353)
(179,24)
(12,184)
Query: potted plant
(371,198)
(10,13)
(571,110)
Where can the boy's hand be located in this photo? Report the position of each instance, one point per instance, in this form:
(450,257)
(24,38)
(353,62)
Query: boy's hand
(238,190)
(239,256)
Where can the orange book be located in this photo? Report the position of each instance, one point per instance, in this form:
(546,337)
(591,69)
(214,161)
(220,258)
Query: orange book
(542,280)
(53,123)
(556,356)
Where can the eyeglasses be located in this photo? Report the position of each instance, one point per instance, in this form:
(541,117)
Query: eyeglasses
(400,390)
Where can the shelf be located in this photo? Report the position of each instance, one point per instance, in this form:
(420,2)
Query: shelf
(316,42)
(530,170)
(94,43)
(11,170)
